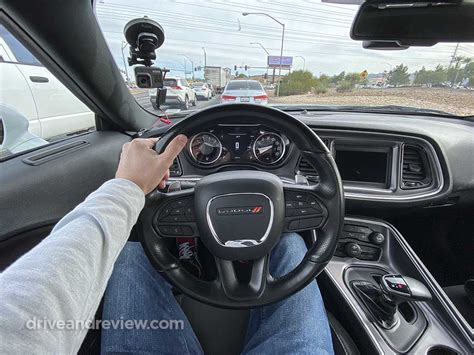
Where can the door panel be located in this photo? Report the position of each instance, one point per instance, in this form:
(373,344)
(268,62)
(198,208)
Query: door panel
(35,197)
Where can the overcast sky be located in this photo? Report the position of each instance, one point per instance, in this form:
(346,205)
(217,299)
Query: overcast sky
(317,31)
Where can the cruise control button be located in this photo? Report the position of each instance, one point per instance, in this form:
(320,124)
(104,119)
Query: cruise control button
(170,230)
(174,219)
(300,204)
(289,204)
(304,212)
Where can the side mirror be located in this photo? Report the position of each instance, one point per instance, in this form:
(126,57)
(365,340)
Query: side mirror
(14,134)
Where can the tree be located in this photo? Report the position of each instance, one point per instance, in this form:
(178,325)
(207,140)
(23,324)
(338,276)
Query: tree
(399,76)
(336,79)
(297,82)
(241,76)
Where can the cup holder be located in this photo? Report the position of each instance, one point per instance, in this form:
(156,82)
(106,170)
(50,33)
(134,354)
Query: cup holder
(441,350)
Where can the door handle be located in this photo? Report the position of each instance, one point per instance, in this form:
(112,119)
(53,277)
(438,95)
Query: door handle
(39,79)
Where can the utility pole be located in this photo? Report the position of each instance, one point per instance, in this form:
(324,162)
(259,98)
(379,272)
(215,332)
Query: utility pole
(452,60)
(205,57)
(282,41)
(192,63)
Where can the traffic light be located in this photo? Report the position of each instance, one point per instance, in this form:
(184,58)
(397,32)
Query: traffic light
(246,68)
(265,76)
(235,67)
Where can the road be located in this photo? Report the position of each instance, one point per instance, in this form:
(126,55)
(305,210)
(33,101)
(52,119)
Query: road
(144,100)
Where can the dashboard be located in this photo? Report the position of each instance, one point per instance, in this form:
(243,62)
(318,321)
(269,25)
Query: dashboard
(392,159)
(372,165)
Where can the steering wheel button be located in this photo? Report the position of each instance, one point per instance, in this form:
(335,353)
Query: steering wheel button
(289,212)
(289,204)
(294,225)
(186,231)
(310,222)
(177,210)
(174,219)
(179,203)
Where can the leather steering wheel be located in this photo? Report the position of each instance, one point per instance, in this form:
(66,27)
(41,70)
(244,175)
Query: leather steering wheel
(240,215)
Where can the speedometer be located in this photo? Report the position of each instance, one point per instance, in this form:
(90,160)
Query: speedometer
(269,148)
(205,148)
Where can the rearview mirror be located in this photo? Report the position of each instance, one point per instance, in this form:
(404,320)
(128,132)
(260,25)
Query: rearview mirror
(412,23)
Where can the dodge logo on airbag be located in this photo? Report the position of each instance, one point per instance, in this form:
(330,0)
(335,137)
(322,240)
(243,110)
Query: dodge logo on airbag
(227,211)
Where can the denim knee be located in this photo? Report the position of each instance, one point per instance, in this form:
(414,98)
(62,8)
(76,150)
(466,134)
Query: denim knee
(287,254)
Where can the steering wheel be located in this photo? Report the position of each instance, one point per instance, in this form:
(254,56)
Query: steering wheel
(240,215)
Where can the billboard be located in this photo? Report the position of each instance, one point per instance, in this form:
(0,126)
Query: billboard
(273,61)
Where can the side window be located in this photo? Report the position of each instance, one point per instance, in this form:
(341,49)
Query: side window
(21,54)
(35,107)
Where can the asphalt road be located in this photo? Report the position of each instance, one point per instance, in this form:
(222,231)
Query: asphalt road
(144,100)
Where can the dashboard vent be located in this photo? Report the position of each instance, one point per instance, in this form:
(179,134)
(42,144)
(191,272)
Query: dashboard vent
(307,170)
(415,172)
(175,169)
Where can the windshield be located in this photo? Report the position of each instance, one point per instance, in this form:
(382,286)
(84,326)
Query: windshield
(236,45)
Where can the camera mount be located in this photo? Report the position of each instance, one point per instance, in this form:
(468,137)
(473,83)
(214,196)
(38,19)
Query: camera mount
(144,36)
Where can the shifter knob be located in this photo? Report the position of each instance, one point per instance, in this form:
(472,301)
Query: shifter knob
(403,288)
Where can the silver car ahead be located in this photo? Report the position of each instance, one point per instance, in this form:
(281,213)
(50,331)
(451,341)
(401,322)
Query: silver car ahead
(248,91)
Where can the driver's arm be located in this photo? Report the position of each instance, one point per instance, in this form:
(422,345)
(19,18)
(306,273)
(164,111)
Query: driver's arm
(60,282)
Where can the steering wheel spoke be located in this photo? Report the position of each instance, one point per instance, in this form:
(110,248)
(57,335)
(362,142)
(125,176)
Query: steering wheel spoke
(304,209)
(174,217)
(245,287)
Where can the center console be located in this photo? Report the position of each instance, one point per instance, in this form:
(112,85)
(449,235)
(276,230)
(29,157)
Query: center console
(391,297)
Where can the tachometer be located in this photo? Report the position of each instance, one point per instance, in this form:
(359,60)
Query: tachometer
(269,148)
(205,148)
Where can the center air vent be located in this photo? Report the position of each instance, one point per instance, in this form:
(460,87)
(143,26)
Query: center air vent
(415,172)
(307,170)
(175,169)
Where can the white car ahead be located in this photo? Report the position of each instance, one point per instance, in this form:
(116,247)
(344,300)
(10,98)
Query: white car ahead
(203,91)
(178,93)
(248,91)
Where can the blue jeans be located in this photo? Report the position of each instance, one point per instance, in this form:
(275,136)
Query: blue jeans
(136,291)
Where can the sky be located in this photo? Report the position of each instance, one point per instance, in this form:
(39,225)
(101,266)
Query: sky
(318,32)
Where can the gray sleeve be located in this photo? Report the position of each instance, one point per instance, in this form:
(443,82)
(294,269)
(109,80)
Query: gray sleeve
(64,277)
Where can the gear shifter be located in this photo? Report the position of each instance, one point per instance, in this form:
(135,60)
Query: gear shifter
(382,301)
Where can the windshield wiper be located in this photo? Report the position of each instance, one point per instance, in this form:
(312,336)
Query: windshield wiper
(368,109)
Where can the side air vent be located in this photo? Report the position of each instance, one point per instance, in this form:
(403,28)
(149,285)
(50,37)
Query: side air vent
(416,170)
(175,169)
(307,170)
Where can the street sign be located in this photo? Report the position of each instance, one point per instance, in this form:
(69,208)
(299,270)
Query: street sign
(274,61)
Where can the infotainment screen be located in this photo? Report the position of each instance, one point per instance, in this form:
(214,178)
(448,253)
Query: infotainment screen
(362,166)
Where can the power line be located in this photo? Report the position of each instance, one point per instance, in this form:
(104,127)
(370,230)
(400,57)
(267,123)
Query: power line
(313,22)
(216,21)
(254,33)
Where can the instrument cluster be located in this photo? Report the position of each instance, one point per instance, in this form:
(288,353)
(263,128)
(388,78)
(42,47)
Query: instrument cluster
(237,144)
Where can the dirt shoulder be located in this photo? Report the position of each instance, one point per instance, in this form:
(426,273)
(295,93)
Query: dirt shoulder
(457,102)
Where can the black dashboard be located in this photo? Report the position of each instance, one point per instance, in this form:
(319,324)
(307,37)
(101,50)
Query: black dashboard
(386,158)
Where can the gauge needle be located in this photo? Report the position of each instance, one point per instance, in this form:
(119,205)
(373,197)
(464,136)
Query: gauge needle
(264,149)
